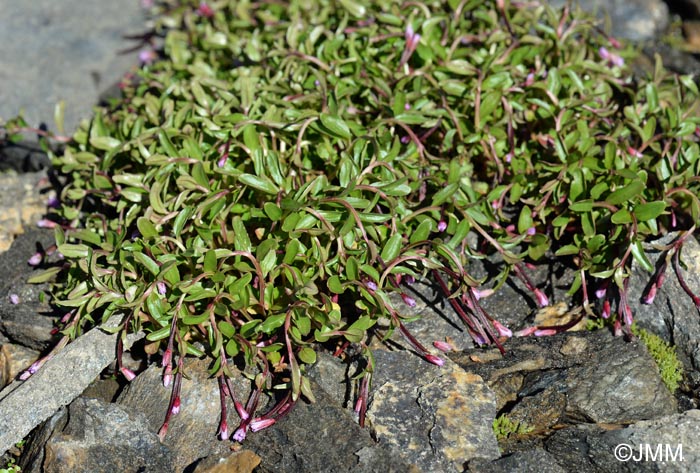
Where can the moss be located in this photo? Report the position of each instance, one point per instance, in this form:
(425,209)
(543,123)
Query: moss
(504,427)
(665,356)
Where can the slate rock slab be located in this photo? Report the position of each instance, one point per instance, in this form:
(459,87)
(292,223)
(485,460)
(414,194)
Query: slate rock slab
(414,404)
(672,315)
(65,50)
(572,378)
(102,437)
(591,448)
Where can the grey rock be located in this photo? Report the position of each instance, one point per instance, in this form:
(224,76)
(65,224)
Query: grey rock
(673,315)
(66,50)
(25,404)
(101,437)
(191,433)
(536,460)
(592,447)
(636,20)
(571,378)
(30,321)
(438,417)
(323,437)
(243,461)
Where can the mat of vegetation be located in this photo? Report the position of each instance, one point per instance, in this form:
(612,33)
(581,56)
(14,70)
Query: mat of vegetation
(279,169)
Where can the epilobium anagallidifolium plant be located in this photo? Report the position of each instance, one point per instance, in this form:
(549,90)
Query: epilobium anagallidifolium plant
(272,180)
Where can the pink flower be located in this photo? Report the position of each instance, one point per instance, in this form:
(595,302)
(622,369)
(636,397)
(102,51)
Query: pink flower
(240,434)
(223,430)
(128,374)
(648,298)
(407,106)
(167,358)
(14,299)
(442,226)
(410,301)
(526,331)
(531,231)
(634,152)
(434,359)
(45,223)
(503,331)
(261,423)
(443,346)
(481,293)
(542,300)
(147,56)
(35,259)
(161,288)
(205,10)
(168,376)
(371,285)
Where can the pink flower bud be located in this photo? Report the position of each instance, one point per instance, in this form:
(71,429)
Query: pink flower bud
(222,161)
(526,332)
(205,10)
(604,53)
(602,290)
(223,430)
(242,413)
(176,406)
(442,226)
(434,359)
(35,259)
(168,376)
(407,106)
(617,329)
(502,330)
(147,56)
(410,301)
(128,374)
(496,204)
(531,231)
(161,288)
(530,79)
(545,332)
(478,338)
(14,299)
(167,358)
(648,298)
(634,152)
(409,280)
(31,370)
(481,293)
(606,309)
(443,346)
(261,423)
(542,300)
(405,139)
(45,223)
(409,32)
(371,285)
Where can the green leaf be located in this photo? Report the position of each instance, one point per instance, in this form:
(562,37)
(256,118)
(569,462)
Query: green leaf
(105,143)
(621,217)
(146,228)
(259,183)
(335,285)
(307,355)
(626,193)
(649,211)
(640,257)
(336,126)
(70,250)
(147,262)
(241,241)
(392,248)
(44,276)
